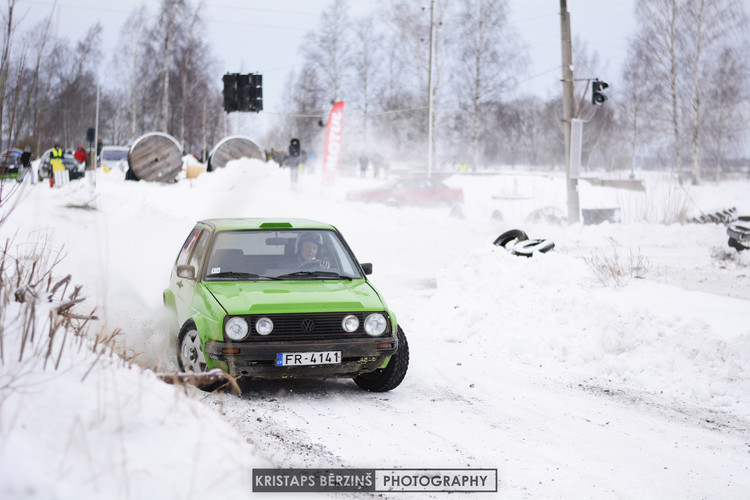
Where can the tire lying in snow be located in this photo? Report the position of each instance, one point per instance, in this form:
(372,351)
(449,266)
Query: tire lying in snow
(738,232)
(528,248)
(521,244)
(508,236)
(737,245)
(385,379)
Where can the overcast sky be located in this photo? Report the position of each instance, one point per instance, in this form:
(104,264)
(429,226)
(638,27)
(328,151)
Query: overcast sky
(262,36)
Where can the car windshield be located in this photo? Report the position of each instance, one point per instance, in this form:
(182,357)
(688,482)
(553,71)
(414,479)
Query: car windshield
(114,154)
(250,255)
(69,159)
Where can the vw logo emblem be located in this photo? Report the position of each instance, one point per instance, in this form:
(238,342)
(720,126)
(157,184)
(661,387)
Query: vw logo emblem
(308,325)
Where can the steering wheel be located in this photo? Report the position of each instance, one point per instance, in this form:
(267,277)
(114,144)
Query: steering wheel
(311,264)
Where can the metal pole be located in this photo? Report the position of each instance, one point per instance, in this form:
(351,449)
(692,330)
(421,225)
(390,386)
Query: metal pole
(429,90)
(92,172)
(567,82)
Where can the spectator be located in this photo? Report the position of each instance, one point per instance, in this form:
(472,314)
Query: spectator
(26,164)
(80,154)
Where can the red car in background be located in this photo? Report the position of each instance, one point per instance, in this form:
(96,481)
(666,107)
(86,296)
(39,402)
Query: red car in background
(420,191)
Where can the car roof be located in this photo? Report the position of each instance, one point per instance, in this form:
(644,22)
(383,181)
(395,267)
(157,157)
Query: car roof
(233,224)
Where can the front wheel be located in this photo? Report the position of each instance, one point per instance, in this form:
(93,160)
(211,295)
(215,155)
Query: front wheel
(385,379)
(189,350)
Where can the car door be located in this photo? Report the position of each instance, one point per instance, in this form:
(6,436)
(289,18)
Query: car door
(192,253)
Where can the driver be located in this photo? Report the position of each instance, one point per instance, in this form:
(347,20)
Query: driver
(308,245)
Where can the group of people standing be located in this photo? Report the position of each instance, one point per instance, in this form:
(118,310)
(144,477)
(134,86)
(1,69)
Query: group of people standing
(59,175)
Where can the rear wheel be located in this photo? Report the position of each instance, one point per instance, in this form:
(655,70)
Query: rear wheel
(385,379)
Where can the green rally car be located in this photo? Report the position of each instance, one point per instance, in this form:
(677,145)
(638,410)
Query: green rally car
(281,298)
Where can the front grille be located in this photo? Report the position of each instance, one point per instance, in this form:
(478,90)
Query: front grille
(307,326)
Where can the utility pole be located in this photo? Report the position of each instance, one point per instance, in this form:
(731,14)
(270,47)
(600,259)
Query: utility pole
(567,83)
(92,173)
(429,90)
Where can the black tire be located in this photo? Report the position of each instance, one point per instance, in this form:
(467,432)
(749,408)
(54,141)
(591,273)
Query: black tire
(190,360)
(737,245)
(385,379)
(508,236)
(738,232)
(130,175)
(189,352)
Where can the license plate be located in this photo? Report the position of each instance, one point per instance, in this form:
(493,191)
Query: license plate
(308,358)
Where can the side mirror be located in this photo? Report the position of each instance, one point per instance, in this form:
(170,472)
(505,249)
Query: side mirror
(185,271)
(367,268)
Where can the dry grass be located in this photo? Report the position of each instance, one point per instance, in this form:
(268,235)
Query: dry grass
(40,317)
(610,269)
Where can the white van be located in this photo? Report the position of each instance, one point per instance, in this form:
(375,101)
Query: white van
(114,157)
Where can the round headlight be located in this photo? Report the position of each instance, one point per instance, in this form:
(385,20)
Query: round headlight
(350,323)
(264,326)
(375,324)
(236,328)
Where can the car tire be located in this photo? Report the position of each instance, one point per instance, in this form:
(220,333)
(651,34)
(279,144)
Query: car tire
(527,248)
(190,357)
(189,350)
(385,379)
(508,236)
(738,232)
(737,245)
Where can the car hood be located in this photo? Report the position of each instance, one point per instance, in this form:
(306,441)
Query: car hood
(268,297)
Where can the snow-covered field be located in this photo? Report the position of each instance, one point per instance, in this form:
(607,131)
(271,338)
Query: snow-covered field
(572,383)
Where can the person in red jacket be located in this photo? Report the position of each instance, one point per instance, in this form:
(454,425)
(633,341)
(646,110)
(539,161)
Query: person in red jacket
(80,154)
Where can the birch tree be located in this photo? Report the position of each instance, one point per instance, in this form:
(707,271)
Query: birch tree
(365,60)
(327,50)
(709,26)
(490,58)
(659,31)
(635,97)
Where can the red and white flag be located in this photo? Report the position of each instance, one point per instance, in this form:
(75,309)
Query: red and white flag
(333,142)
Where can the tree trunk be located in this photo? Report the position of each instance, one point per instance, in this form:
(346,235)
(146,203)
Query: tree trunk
(697,87)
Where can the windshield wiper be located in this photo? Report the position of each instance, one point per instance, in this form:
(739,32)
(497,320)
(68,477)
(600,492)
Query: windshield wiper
(237,274)
(314,274)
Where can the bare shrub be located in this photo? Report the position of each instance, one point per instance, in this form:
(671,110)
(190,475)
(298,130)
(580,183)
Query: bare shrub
(665,201)
(39,316)
(610,269)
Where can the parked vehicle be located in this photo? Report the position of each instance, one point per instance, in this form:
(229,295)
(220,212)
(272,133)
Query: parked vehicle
(251,297)
(76,170)
(422,191)
(10,164)
(112,157)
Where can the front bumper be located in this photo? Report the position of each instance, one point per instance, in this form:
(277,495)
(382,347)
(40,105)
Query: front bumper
(258,359)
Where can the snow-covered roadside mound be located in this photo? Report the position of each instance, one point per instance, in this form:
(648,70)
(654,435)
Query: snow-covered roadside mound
(548,312)
(76,421)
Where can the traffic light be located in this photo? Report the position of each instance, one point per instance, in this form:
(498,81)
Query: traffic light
(294,148)
(230,92)
(597,97)
(256,95)
(243,92)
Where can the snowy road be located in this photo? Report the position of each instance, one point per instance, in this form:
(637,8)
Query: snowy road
(569,388)
(542,435)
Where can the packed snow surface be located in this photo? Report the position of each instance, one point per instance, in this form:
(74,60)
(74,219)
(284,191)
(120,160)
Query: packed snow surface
(615,366)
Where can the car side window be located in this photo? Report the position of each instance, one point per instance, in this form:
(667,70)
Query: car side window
(200,250)
(187,246)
